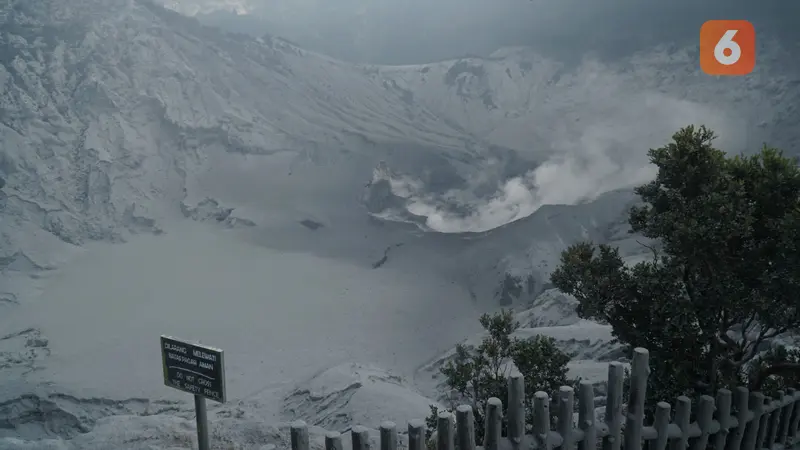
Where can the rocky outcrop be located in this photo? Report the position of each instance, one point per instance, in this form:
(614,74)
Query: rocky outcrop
(355,394)
(210,210)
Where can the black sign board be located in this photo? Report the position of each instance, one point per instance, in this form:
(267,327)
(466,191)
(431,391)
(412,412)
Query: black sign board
(193,368)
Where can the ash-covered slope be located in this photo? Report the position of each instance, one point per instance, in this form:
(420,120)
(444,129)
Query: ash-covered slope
(519,99)
(586,126)
(196,7)
(108,108)
(351,394)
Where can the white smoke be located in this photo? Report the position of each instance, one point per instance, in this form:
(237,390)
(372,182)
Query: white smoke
(607,155)
(564,179)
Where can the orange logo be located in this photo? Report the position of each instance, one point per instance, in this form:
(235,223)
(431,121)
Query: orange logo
(727,47)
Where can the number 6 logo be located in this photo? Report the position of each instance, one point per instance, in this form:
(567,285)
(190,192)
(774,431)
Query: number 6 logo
(727,43)
(727,47)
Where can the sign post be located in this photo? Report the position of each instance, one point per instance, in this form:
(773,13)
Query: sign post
(198,370)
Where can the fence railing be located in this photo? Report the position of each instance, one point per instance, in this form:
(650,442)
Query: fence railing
(738,420)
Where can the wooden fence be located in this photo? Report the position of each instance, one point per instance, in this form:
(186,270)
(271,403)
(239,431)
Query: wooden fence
(738,420)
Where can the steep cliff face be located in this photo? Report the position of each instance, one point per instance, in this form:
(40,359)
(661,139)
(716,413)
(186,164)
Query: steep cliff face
(108,108)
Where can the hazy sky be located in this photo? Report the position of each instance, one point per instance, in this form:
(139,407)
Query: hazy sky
(415,31)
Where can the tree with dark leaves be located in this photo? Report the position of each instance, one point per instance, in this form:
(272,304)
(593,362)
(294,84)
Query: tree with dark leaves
(479,373)
(723,281)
